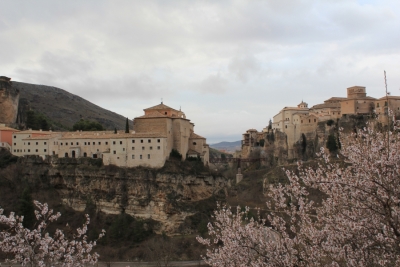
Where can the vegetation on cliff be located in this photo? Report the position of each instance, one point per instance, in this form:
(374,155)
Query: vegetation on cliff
(83,183)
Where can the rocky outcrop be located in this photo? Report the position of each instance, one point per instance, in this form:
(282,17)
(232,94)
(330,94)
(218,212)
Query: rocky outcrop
(163,196)
(9,98)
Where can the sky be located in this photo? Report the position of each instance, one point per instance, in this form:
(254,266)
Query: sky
(229,65)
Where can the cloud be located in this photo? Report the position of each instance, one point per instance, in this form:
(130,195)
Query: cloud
(213,84)
(242,67)
(254,56)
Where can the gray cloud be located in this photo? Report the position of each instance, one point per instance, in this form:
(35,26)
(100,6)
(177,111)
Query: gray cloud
(253,56)
(243,67)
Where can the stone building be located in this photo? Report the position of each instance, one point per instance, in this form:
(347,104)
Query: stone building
(156,133)
(296,121)
(178,130)
(357,102)
(6,136)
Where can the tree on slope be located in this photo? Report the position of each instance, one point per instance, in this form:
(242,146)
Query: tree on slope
(357,223)
(38,248)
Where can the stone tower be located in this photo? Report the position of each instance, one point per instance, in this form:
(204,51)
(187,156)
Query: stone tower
(9,98)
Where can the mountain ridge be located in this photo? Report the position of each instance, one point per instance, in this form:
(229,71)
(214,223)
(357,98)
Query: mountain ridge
(63,107)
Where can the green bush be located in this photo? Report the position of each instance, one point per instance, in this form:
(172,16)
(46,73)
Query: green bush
(86,125)
(330,122)
(333,143)
(36,121)
(175,154)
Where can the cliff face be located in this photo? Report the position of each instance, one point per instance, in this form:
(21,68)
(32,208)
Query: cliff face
(163,196)
(9,98)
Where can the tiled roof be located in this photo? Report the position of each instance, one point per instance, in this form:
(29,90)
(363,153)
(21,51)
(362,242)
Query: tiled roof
(195,136)
(42,137)
(390,97)
(159,106)
(153,115)
(36,132)
(5,128)
(335,98)
(327,105)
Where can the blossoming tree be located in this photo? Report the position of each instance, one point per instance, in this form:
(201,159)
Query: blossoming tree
(37,248)
(357,223)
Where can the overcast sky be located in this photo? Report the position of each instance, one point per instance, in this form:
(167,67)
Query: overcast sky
(230,65)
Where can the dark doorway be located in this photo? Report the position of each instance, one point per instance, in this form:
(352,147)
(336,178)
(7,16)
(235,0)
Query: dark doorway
(73,153)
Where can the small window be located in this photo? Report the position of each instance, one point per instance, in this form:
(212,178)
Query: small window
(120,142)
(148,156)
(315,120)
(165,113)
(142,147)
(15,145)
(158,148)
(141,141)
(149,141)
(29,150)
(106,143)
(158,140)
(77,143)
(45,150)
(123,149)
(29,143)
(194,143)
(94,143)
(15,136)
(133,156)
(133,148)
(37,143)
(37,150)
(99,143)
(151,148)
(309,120)
(140,156)
(15,150)
(45,143)
(113,142)
(85,143)
(286,126)
(133,141)
(114,152)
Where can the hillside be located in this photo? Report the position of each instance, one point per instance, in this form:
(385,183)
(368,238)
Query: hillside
(228,146)
(64,108)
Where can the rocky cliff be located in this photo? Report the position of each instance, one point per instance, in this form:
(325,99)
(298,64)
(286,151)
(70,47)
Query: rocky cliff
(9,98)
(165,195)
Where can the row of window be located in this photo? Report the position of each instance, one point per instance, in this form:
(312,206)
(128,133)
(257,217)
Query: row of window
(29,143)
(88,143)
(36,150)
(143,148)
(141,156)
(133,148)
